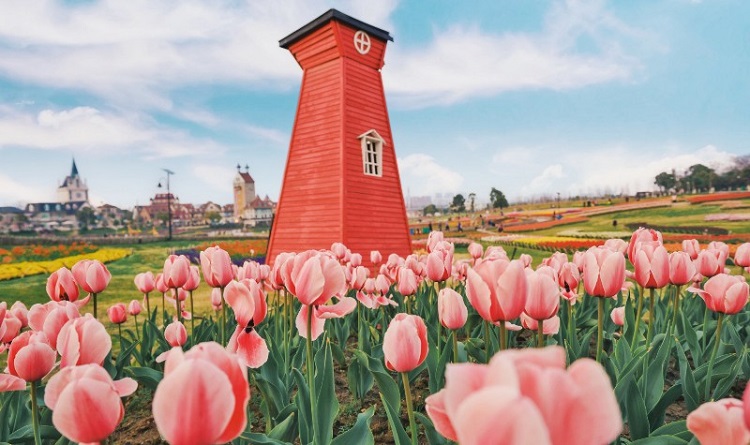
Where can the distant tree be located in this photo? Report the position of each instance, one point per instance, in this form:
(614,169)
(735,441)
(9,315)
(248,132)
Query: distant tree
(430,210)
(701,177)
(472,198)
(665,181)
(498,199)
(213,217)
(459,203)
(86,218)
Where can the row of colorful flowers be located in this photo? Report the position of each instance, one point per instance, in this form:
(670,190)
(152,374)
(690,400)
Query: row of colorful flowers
(728,217)
(37,252)
(530,227)
(725,196)
(28,268)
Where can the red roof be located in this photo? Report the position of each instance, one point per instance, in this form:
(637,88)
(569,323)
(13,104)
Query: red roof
(247,178)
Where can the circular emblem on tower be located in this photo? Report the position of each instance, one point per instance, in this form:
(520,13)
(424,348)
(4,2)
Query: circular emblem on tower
(362,42)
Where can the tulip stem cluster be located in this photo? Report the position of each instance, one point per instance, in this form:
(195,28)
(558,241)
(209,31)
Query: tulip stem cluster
(310,369)
(35,415)
(409,407)
(600,331)
(714,351)
(638,311)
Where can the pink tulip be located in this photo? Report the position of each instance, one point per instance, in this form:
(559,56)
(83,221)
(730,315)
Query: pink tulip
(314,277)
(30,356)
(723,293)
(496,253)
(355,259)
(82,341)
(681,268)
(542,296)
(405,343)
(134,308)
(618,316)
(439,264)
(578,260)
(640,236)
(61,285)
(555,261)
(452,310)
(160,284)
(12,326)
(176,271)
(344,306)
(742,255)
(720,246)
(651,264)
(359,276)
(217,267)
(475,251)
(526,260)
(145,282)
(92,275)
(407,284)
(719,423)
(710,262)
(691,247)
(341,253)
(433,239)
(194,279)
(551,326)
(118,313)
(51,317)
(176,334)
(86,402)
(20,311)
(375,257)
(474,408)
(248,301)
(210,386)
(497,289)
(603,272)
(568,279)
(616,245)
(216,298)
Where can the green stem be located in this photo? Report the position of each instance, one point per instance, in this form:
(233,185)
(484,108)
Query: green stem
(148,306)
(651,317)
(638,311)
(455,346)
(310,370)
(600,331)
(678,289)
(705,322)
(35,415)
(93,295)
(119,332)
(503,336)
(137,334)
(540,334)
(487,343)
(163,309)
(360,340)
(178,304)
(222,319)
(717,342)
(409,408)
(192,318)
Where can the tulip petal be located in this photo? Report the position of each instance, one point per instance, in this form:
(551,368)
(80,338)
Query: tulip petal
(11,383)
(98,400)
(318,324)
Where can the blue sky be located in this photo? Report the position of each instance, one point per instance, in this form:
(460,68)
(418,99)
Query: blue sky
(532,97)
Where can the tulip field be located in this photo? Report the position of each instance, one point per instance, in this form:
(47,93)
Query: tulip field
(623,341)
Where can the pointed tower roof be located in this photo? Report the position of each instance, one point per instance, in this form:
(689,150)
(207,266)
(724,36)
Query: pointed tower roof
(74,170)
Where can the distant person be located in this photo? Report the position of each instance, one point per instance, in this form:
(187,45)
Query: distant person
(459,228)
(429,226)
(614,223)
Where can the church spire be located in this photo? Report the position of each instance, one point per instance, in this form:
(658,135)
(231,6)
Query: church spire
(74,170)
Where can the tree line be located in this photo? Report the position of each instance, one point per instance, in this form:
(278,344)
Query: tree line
(700,178)
(461,204)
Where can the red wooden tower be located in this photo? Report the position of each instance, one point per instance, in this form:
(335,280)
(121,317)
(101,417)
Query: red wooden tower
(341,181)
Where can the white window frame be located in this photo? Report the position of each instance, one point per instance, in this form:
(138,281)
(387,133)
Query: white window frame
(372,153)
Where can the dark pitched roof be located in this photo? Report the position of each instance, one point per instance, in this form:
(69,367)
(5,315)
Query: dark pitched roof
(246,177)
(74,170)
(333,14)
(67,208)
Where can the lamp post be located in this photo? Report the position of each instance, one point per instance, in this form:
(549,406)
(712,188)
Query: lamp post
(169,202)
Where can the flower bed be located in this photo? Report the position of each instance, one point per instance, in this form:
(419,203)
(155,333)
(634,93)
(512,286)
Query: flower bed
(723,196)
(28,268)
(37,252)
(530,227)
(239,251)
(551,243)
(693,230)
(728,217)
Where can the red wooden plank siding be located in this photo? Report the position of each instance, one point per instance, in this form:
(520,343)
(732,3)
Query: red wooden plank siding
(326,197)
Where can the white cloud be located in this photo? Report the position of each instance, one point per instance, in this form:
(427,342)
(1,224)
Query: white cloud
(542,182)
(422,175)
(217,177)
(87,129)
(17,194)
(135,52)
(466,61)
